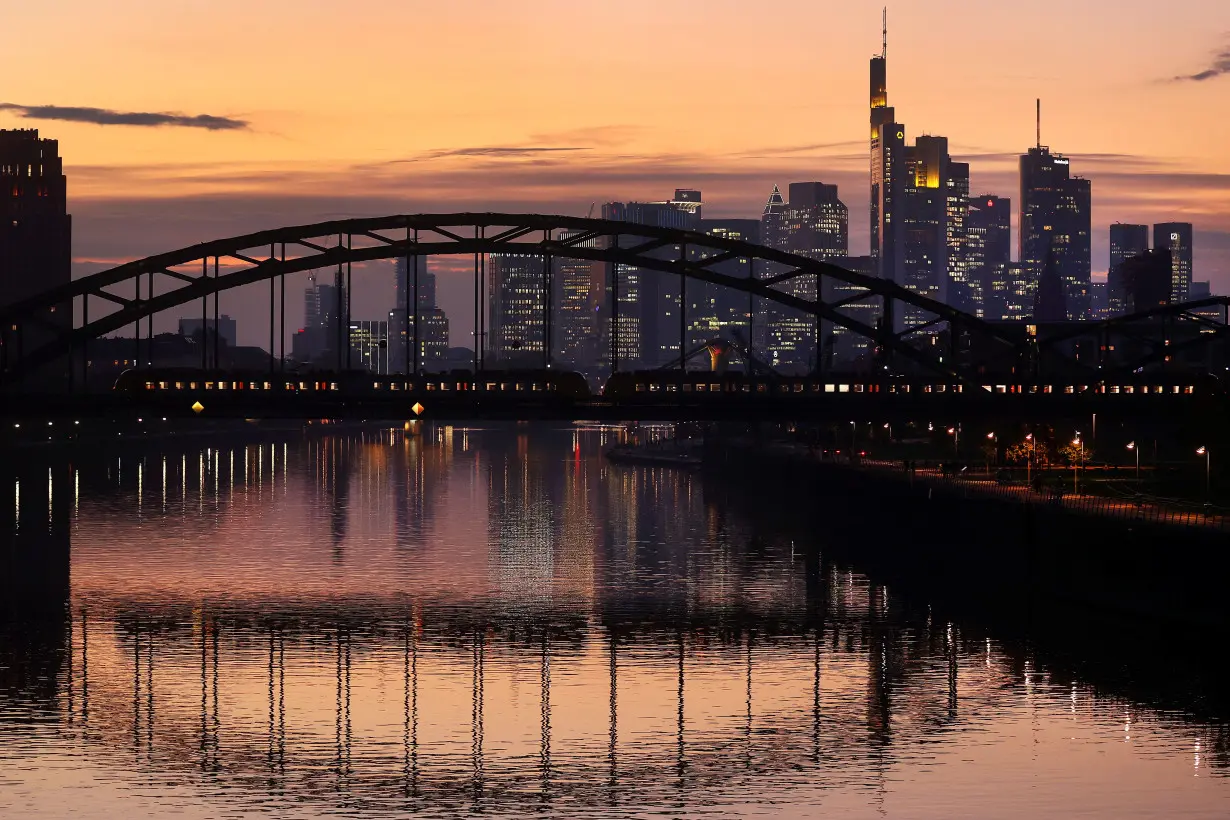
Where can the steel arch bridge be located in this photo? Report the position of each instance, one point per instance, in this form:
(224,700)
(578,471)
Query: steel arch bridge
(137,290)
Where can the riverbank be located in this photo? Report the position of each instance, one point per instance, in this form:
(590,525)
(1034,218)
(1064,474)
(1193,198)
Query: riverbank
(1147,564)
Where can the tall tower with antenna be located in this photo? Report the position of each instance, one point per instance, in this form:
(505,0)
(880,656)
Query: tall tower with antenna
(887,170)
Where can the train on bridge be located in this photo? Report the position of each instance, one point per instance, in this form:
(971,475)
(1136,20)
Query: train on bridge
(551,393)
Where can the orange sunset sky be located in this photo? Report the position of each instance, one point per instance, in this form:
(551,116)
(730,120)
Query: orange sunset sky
(380,106)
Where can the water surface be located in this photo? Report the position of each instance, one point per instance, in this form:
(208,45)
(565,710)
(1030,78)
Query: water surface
(497,621)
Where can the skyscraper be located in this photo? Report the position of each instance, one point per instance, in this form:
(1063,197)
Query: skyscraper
(1055,218)
(1147,279)
(645,304)
(1126,241)
(432,323)
(961,291)
(924,218)
(577,296)
(1176,237)
(35,228)
(887,172)
(987,249)
(716,312)
(516,327)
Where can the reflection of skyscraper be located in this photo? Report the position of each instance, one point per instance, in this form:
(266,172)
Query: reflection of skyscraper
(1126,241)
(1055,218)
(1176,237)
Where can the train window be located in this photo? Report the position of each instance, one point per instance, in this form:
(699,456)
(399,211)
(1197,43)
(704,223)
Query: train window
(785,388)
(815,388)
(830,388)
(1000,388)
(700,388)
(762,388)
(672,388)
(1114,389)
(1068,389)
(1159,389)
(149,385)
(536,387)
(654,388)
(747,388)
(431,386)
(376,385)
(290,385)
(715,388)
(179,385)
(268,386)
(843,388)
(163,386)
(1189,389)
(640,388)
(520,386)
(927,389)
(798,388)
(858,388)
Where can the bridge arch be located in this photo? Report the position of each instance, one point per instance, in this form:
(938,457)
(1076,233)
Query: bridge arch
(185,276)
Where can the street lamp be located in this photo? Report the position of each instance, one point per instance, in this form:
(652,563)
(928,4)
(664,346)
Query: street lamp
(1030,461)
(1077,442)
(1204,451)
(955,432)
(1132,446)
(991,438)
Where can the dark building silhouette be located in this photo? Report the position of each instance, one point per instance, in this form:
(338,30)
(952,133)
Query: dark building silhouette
(988,246)
(647,330)
(1176,237)
(35,228)
(432,328)
(1055,219)
(718,312)
(1050,301)
(1146,278)
(1126,241)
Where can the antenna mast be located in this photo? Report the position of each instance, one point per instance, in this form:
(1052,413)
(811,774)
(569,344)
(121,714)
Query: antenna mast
(884,42)
(1038,121)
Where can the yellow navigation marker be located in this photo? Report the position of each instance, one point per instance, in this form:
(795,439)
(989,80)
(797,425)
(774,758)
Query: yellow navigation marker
(418,409)
(197,407)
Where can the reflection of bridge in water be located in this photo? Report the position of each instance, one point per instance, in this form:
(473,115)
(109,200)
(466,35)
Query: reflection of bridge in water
(689,655)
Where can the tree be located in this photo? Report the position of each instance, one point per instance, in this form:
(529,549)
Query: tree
(1074,453)
(1022,451)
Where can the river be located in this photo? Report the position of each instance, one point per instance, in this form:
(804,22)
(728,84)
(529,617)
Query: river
(496,620)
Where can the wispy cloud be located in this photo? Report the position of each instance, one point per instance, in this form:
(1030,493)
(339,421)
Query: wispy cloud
(494,152)
(1220,66)
(142,119)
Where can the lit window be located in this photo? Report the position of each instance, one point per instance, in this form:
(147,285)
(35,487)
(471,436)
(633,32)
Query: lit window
(843,388)
(830,388)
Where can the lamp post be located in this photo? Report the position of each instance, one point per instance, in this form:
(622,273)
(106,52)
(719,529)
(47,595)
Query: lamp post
(955,432)
(1076,442)
(1132,446)
(1204,451)
(991,438)
(1029,461)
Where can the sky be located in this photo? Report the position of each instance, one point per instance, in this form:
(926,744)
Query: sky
(187,120)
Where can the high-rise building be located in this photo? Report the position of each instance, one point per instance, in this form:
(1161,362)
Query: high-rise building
(427,322)
(404,286)
(35,227)
(988,247)
(1099,300)
(813,223)
(1126,241)
(1176,237)
(1213,313)
(1055,219)
(716,312)
(322,336)
(924,217)
(840,347)
(962,292)
(577,290)
(644,305)
(1147,279)
(369,346)
(888,174)
(516,325)
(1051,298)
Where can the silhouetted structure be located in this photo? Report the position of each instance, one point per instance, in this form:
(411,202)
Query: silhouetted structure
(1126,241)
(1146,278)
(988,247)
(1055,218)
(1176,237)
(1050,303)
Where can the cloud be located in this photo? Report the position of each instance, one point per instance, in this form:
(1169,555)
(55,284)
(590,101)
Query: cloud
(107,116)
(494,151)
(1219,67)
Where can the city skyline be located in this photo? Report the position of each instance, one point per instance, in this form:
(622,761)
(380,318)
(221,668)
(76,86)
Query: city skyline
(320,155)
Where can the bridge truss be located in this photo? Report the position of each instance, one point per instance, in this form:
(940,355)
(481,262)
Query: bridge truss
(36,332)
(43,333)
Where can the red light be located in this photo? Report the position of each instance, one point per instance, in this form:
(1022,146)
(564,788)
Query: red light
(990,204)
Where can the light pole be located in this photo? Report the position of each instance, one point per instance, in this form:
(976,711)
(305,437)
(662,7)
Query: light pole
(991,438)
(1204,451)
(1132,446)
(955,432)
(1076,442)
(1029,461)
